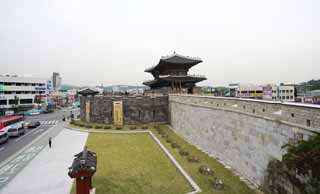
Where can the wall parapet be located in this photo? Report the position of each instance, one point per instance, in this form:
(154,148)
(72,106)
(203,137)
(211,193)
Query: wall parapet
(304,116)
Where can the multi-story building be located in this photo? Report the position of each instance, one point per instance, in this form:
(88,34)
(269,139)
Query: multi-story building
(284,93)
(249,91)
(56,81)
(22,92)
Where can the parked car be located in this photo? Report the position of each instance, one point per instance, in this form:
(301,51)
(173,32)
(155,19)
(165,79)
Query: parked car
(3,137)
(15,131)
(33,112)
(33,124)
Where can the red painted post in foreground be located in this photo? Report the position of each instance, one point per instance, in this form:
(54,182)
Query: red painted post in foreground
(83,168)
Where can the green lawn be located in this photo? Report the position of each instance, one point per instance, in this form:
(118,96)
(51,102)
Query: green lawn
(133,164)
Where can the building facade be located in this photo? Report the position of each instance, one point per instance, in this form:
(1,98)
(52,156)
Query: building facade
(22,92)
(56,81)
(266,92)
(171,75)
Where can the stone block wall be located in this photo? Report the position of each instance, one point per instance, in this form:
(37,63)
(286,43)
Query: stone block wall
(244,134)
(136,110)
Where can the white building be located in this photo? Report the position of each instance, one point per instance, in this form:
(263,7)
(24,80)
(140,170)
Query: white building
(284,93)
(22,90)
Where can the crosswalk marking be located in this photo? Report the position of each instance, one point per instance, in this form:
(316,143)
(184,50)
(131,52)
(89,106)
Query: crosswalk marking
(51,122)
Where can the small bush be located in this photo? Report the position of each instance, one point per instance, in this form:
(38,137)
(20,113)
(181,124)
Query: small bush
(98,126)
(193,159)
(145,127)
(168,140)
(184,153)
(107,127)
(73,122)
(118,127)
(164,136)
(133,127)
(80,124)
(175,145)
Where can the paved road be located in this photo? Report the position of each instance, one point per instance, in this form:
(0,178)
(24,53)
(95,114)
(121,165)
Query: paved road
(15,144)
(18,152)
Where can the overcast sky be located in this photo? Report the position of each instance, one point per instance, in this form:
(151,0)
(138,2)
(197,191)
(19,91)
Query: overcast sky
(112,41)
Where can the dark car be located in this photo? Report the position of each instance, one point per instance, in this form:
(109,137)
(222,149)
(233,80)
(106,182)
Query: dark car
(48,111)
(33,124)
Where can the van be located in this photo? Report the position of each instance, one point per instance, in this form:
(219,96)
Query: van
(16,131)
(3,137)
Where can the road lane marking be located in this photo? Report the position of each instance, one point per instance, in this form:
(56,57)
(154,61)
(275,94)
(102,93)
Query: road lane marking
(37,131)
(25,135)
(26,147)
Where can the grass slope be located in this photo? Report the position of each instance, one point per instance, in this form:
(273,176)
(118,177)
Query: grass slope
(233,185)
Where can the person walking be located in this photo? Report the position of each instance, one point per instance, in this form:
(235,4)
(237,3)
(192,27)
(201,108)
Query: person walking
(50,142)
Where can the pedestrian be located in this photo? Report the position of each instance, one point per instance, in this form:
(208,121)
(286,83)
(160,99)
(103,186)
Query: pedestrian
(50,142)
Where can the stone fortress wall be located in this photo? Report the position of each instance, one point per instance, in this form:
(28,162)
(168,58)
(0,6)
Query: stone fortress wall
(244,134)
(136,110)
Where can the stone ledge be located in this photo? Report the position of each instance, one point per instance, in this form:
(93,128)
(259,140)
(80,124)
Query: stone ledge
(309,129)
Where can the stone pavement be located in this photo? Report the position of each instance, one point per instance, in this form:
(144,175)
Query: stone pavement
(47,173)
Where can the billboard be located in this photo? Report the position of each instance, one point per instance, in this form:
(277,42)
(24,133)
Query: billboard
(117,113)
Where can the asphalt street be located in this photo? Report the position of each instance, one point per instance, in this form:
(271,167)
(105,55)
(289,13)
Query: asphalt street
(18,152)
(15,144)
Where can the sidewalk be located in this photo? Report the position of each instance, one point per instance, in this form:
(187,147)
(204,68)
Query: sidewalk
(47,173)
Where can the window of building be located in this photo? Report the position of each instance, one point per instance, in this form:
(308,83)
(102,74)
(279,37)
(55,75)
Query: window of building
(292,115)
(7,92)
(308,122)
(287,91)
(18,92)
(254,111)
(217,105)
(25,101)
(3,102)
(12,101)
(18,84)
(224,104)
(263,110)
(33,92)
(33,84)
(244,106)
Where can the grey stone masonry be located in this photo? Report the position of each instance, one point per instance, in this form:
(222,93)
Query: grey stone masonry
(136,110)
(244,134)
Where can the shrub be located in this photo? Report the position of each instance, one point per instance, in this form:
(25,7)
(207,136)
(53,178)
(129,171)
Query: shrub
(107,127)
(73,122)
(145,127)
(98,126)
(193,159)
(133,127)
(118,127)
(168,140)
(184,153)
(175,145)
(205,170)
